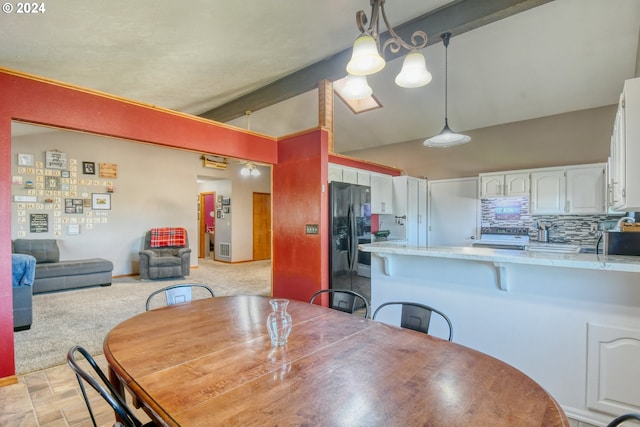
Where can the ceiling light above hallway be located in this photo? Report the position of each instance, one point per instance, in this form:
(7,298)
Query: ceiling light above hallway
(367,56)
(249,169)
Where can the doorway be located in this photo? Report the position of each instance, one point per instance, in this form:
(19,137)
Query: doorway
(207,217)
(261,226)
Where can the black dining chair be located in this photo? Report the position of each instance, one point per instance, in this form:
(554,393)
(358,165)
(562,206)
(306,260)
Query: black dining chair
(103,386)
(622,418)
(416,316)
(344,300)
(177,294)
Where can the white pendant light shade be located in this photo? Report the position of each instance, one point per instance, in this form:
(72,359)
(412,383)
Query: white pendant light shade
(446,138)
(365,58)
(414,71)
(356,87)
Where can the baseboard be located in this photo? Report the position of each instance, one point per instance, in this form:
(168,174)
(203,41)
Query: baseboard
(6,381)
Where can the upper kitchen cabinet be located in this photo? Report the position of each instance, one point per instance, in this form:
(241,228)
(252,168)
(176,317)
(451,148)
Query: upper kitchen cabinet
(349,175)
(624,176)
(570,190)
(504,184)
(381,194)
(410,202)
(586,189)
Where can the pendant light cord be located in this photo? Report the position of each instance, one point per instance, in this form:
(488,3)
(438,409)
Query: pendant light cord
(445,40)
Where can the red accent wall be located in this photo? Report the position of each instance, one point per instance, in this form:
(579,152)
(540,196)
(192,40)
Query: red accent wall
(300,197)
(41,101)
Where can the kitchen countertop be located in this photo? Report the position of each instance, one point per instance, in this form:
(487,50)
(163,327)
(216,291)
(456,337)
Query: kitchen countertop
(622,263)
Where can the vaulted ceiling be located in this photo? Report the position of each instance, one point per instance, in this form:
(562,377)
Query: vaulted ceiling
(510,61)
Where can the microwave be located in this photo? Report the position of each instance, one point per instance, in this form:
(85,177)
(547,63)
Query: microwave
(621,243)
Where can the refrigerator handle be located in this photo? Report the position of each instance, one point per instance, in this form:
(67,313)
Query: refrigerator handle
(353,244)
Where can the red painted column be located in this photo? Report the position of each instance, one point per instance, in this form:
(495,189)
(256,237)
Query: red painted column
(7,359)
(300,197)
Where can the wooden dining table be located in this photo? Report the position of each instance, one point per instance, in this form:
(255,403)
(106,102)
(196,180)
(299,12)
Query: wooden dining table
(210,362)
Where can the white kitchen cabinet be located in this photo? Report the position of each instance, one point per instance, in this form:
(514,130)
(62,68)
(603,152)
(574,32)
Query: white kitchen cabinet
(381,194)
(335,173)
(612,354)
(624,177)
(575,190)
(350,176)
(548,192)
(410,202)
(586,190)
(364,178)
(504,184)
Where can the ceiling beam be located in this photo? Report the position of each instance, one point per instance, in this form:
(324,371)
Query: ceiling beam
(457,18)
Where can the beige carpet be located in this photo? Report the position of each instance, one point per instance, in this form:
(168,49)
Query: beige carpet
(85,316)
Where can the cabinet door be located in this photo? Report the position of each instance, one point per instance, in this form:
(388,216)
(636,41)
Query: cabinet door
(585,190)
(548,192)
(491,185)
(422,212)
(364,178)
(381,194)
(335,173)
(350,176)
(617,181)
(516,184)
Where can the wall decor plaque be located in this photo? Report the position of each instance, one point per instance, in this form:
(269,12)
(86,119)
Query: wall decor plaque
(39,223)
(55,160)
(108,170)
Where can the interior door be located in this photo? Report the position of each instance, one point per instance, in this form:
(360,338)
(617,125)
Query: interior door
(207,223)
(453,212)
(261,226)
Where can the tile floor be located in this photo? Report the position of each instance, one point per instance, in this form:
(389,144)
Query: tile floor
(52,398)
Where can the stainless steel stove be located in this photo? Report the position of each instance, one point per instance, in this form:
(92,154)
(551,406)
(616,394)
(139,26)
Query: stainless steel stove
(503,238)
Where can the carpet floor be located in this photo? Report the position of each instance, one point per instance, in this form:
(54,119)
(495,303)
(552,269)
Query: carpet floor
(85,316)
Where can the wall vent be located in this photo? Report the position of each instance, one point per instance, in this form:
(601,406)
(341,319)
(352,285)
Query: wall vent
(224,250)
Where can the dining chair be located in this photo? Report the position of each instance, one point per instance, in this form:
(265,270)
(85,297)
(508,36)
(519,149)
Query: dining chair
(177,294)
(416,316)
(103,386)
(622,418)
(344,300)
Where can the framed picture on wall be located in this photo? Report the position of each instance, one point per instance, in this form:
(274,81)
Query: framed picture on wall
(101,201)
(226,209)
(226,201)
(89,168)
(219,214)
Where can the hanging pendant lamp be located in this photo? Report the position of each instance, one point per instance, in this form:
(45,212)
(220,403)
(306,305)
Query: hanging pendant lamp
(446,137)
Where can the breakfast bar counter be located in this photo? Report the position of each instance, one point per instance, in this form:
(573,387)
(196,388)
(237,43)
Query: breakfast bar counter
(571,321)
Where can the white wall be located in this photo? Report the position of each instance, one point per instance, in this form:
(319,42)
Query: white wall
(155,187)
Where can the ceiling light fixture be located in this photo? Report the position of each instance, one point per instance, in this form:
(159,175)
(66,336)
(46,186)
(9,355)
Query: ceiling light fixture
(367,56)
(249,169)
(446,137)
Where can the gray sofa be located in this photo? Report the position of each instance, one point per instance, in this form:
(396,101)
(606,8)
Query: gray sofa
(54,275)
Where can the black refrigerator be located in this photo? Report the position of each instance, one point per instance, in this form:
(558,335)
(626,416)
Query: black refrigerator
(350,225)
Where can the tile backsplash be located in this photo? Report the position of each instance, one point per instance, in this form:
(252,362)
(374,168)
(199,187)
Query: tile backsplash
(514,212)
